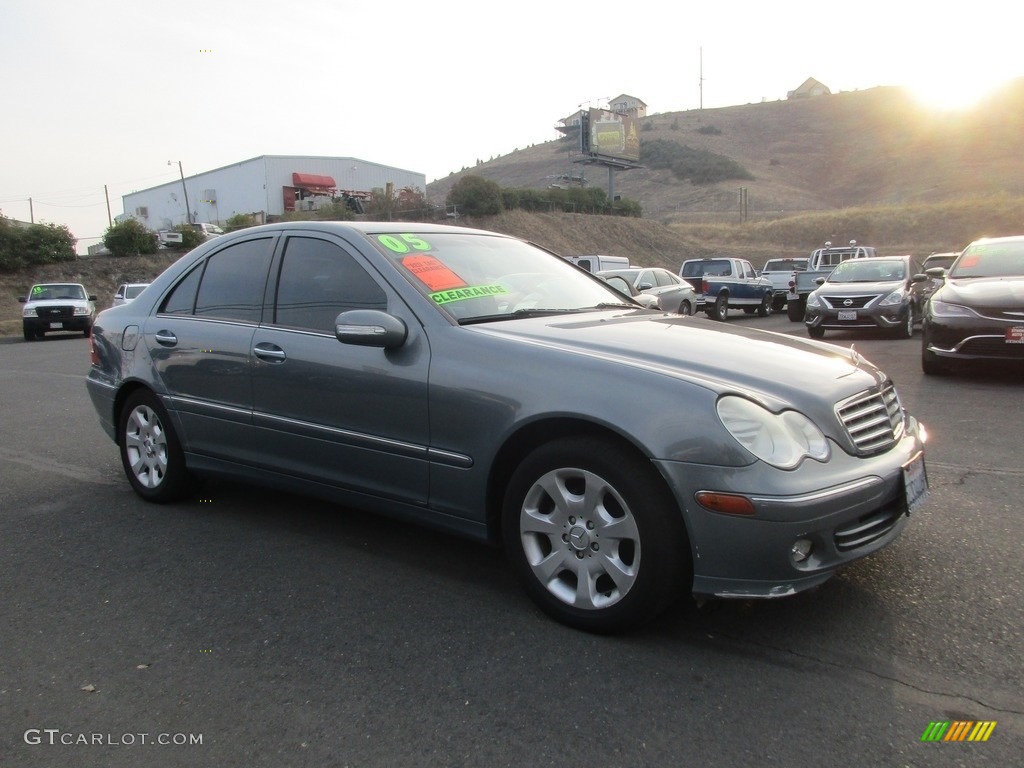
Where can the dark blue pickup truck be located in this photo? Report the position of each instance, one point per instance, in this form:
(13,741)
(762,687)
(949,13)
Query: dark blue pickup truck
(724,283)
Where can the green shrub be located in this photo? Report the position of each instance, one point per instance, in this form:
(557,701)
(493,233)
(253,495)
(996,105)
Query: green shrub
(129,238)
(475,196)
(697,165)
(190,236)
(34,244)
(709,130)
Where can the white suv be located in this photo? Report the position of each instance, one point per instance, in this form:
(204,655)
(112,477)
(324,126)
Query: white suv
(57,307)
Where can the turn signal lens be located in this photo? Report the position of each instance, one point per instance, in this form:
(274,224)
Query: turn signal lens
(726,503)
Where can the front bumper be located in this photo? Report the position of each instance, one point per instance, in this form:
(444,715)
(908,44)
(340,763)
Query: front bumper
(47,324)
(884,319)
(846,509)
(973,339)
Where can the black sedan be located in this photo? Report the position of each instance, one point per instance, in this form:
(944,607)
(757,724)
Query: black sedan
(978,313)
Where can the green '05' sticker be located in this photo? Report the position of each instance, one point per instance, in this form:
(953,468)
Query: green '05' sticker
(403,243)
(471,292)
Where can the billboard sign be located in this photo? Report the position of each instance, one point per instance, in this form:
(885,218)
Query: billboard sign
(609,134)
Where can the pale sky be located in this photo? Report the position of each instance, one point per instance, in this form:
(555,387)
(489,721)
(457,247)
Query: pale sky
(105,93)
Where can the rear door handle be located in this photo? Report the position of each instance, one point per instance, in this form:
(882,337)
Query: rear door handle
(271,353)
(166,338)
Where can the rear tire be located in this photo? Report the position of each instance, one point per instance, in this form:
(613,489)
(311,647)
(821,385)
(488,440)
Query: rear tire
(150,451)
(720,309)
(795,310)
(685,309)
(594,535)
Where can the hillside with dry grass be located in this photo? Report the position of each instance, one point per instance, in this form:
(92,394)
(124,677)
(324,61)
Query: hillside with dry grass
(869,148)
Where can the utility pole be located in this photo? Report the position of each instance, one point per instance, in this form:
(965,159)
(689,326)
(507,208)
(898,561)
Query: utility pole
(184,190)
(106,194)
(700,81)
(31,213)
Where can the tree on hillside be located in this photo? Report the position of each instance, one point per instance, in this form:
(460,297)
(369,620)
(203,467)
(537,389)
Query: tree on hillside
(475,196)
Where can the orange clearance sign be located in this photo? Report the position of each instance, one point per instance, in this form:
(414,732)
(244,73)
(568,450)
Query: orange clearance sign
(432,273)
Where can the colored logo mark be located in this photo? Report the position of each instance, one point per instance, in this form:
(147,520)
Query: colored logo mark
(959,730)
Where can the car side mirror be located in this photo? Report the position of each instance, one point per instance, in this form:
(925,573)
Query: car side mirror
(22,299)
(644,287)
(370,328)
(92,298)
(819,280)
(936,272)
(919,278)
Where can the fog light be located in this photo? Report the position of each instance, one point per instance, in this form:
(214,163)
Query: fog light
(801,550)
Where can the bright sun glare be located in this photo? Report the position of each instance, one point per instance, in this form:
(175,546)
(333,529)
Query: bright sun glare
(948,91)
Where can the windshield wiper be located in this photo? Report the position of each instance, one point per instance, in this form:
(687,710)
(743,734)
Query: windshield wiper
(516,315)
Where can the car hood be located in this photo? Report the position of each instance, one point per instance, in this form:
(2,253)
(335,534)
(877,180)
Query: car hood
(857,289)
(991,292)
(57,302)
(771,366)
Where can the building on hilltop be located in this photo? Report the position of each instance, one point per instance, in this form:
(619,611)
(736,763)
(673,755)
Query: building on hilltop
(810,87)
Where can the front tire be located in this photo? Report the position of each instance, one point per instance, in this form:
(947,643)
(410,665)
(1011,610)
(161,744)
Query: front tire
(766,306)
(150,451)
(815,332)
(905,330)
(594,535)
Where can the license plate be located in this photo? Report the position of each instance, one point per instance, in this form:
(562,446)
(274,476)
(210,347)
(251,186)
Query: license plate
(1015,334)
(56,325)
(915,482)
(847,314)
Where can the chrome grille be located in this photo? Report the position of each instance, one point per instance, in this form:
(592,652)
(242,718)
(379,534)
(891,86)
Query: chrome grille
(873,419)
(856,302)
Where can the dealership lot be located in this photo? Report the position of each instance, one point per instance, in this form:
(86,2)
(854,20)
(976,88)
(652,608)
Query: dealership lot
(287,632)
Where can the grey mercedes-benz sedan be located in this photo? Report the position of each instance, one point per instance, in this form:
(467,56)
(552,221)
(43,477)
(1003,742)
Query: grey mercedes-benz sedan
(475,382)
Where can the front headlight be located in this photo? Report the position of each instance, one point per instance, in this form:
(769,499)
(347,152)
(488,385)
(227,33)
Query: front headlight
(943,309)
(81,310)
(780,439)
(813,300)
(29,312)
(893,299)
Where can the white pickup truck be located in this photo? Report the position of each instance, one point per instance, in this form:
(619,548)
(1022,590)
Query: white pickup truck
(780,272)
(820,264)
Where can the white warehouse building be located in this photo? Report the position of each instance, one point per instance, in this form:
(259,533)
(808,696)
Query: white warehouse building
(265,186)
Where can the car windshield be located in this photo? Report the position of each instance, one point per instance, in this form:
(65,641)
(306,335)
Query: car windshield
(56,291)
(869,271)
(477,277)
(991,260)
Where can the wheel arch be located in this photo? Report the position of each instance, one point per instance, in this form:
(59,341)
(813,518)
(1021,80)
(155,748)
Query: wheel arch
(529,436)
(126,390)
